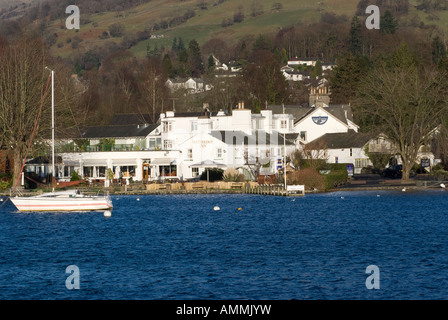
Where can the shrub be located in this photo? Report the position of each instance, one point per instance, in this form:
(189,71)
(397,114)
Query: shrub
(440,174)
(4,185)
(311,178)
(116,30)
(213,174)
(308,177)
(335,179)
(75,176)
(232,175)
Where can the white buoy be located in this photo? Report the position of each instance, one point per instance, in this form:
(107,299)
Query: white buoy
(216,208)
(404,189)
(442,185)
(378,195)
(138,199)
(107,213)
(342,197)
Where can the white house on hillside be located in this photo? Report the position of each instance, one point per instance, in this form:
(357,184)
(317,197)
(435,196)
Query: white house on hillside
(192,85)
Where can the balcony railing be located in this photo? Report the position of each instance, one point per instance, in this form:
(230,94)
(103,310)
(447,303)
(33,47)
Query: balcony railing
(103,148)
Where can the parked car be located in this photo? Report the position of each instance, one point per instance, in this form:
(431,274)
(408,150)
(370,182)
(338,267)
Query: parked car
(393,171)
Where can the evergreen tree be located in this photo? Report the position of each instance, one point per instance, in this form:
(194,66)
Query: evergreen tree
(438,50)
(180,45)
(388,23)
(167,66)
(284,56)
(196,65)
(174,45)
(317,72)
(210,63)
(345,78)
(402,58)
(355,36)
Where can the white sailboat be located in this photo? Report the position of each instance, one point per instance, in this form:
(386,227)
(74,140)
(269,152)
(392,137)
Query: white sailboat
(71,200)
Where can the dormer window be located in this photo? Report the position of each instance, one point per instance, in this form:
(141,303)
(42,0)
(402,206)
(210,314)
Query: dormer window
(167,126)
(284,124)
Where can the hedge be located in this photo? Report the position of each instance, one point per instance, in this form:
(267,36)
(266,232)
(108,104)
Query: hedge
(335,179)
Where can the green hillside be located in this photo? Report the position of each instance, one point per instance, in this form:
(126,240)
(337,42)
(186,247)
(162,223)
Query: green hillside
(206,23)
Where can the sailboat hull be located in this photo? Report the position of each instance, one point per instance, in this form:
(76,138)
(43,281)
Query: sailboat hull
(64,204)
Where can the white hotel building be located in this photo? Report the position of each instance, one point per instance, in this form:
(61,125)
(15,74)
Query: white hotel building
(179,147)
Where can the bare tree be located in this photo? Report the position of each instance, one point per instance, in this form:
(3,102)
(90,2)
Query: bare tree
(153,89)
(23,80)
(405,102)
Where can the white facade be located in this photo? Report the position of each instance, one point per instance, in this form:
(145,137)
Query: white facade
(319,122)
(234,141)
(355,156)
(193,85)
(138,165)
(184,140)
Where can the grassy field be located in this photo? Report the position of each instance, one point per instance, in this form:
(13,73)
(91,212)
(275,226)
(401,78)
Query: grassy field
(206,24)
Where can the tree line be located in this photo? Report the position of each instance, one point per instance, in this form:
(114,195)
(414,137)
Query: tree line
(112,80)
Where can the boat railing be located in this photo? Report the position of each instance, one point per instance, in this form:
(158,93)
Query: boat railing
(15,192)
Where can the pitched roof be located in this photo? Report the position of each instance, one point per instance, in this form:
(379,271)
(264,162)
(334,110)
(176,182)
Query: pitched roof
(342,112)
(193,114)
(343,140)
(296,110)
(119,131)
(130,118)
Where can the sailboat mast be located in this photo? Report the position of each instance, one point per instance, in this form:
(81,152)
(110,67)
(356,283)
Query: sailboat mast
(284,151)
(52,123)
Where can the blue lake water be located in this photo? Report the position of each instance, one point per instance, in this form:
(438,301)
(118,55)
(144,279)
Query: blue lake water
(177,247)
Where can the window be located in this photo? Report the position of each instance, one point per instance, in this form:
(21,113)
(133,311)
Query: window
(194,126)
(194,172)
(361,163)
(68,170)
(284,124)
(167,144)
(219,153)
(127,171)
(336,160)
(168,171)
(167,126)
(351,152)
(88,172)
(155,143)
(303,135)
(101,171)
(189,154)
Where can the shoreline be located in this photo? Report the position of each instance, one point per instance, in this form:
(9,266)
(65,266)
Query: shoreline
(241,191)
